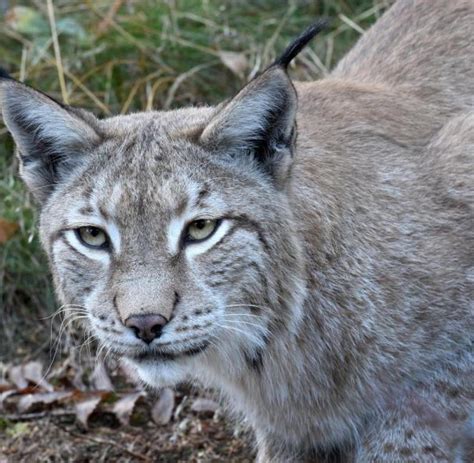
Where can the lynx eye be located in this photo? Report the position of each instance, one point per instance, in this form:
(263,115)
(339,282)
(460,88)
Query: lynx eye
(200,230)
(92,237)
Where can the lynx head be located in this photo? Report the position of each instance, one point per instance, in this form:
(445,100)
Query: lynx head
(172,230)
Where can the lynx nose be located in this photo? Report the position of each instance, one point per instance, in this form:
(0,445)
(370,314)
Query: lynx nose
(146,327)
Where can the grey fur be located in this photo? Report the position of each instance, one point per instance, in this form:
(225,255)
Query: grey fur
(335,312)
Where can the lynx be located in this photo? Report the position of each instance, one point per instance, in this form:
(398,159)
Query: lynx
(307,248)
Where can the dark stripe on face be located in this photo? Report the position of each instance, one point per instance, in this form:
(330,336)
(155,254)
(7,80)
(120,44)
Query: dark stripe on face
(74,250)
(77,281)
(261,274)
(87,210)
(202,195)
(86,290)
(115,306)
(229,233)
(87,193)
(246,222)
(181,206)
(226,275)
(241,222)
(104,213)
(71,263)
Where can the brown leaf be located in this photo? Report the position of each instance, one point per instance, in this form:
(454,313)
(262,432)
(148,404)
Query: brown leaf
(10,398)
(33,371)
(7,230)
(5,387)
(163,409)
(123,408)
(38,401)
(85,408)
(201,405)
(236,62)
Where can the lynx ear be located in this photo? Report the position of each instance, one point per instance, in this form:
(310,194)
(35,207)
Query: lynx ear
(52,139)
(260,121)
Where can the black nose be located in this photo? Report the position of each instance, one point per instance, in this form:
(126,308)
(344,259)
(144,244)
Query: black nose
(146,327)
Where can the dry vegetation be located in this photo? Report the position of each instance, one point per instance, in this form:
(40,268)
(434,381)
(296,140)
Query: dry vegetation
(116,57)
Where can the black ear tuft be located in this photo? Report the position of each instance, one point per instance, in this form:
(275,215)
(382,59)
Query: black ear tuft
(300,42)
(4,74)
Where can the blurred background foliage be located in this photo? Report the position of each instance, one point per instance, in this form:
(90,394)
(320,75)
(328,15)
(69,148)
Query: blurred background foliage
(121,56)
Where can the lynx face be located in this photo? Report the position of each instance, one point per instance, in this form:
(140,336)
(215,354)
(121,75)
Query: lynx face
(172,230)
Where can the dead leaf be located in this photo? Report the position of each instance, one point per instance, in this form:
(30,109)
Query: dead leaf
(33,371)
(85,408)
(7,230)
(100,378)
(10,398)
(201,405)
(163,409)
(39,400)
(5,387)
(123,408)
(236,62)
(15,374)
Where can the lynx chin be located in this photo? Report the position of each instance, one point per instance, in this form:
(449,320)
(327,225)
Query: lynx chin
(307,248)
